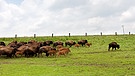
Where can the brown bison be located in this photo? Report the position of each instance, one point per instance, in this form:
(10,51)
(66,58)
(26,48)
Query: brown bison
(57,43)
(47,43)
(63,51)
(21,50)
(113,45)
(9,51)
(88,44)
(82,42)
(70,43)
(45,49)
(30,49)
(52,52)
(77,45)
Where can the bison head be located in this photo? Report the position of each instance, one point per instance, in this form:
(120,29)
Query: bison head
(118,46)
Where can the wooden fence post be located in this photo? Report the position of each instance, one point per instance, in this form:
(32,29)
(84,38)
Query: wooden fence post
(101,33)
(116,33)
(34,35)
(15,35)
(52,34)
(69,34)
(85,34)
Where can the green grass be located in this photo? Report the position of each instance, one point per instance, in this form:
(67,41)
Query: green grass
(82,61)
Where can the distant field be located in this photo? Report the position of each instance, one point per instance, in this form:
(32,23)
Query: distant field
(82,61)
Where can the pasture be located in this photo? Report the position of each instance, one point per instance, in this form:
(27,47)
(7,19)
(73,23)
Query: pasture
(83,61)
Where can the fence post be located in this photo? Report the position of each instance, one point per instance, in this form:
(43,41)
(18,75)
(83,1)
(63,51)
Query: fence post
(101,33)
(15,35)
(129,33)
(52,34)
(85,34)
(115,33)
(34,35)
(69,34)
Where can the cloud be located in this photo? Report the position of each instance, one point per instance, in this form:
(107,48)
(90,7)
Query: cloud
(44,17)
(128,16)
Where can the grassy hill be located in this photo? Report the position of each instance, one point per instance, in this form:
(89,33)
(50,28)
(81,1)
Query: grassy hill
(83,61)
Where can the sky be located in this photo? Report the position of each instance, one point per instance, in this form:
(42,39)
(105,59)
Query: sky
(61,17)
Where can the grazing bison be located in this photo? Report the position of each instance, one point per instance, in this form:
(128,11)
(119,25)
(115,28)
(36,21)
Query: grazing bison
(113,45)
(57,43)
(21,50)
(77,45)
(82,42)
(70,43)
(45,49)
(12,44)
(47,43)
(52,52)
(63,51)
(6,50)
(88,44)
(30,49)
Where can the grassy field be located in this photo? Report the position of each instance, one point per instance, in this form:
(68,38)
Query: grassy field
(83,61)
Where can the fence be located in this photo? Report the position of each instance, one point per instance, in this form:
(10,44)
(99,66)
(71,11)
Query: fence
(101,34)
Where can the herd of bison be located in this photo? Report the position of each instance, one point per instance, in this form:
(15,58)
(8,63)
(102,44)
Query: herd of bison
(34,48)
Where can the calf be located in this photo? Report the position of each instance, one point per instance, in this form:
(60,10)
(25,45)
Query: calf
(88,44)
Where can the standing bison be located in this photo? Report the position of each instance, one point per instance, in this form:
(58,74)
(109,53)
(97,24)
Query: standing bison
(113,45)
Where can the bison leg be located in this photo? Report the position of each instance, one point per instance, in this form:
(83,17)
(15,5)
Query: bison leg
(47,54)
(109,48)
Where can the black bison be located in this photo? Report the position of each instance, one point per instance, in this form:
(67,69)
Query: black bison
(70,43)
(113,45)
(2,43)
(82,42)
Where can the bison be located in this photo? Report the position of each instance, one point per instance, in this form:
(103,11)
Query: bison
(52,52)
(45,49)
(82,42)
(70,43)
(88,44)
(63,51)
(2,43)
(47,43)
(6,50)
(113,45)
(30,49)
(57,43)
(77,45)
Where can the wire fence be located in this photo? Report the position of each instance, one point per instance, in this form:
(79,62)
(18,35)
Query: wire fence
(86,34)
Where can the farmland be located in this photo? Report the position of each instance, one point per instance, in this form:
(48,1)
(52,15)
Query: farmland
(83,61)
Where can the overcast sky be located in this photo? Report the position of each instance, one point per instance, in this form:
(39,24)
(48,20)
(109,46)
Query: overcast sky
(44,17)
